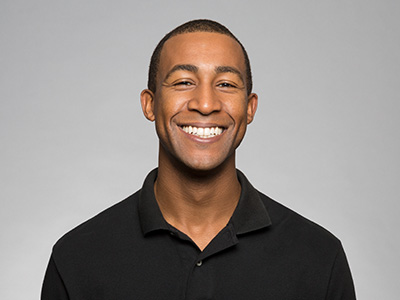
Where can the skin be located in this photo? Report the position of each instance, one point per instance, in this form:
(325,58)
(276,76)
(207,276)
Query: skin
(200,82)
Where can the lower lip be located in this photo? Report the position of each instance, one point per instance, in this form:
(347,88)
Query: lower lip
(202,140)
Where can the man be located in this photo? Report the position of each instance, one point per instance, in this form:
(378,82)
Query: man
(197,229)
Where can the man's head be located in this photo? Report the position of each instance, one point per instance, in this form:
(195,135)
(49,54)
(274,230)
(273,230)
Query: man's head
(201,25)
(200,100)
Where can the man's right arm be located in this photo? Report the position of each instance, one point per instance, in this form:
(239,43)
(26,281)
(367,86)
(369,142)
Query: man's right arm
(53,285)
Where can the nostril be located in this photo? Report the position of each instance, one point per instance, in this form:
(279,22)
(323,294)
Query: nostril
(205,104)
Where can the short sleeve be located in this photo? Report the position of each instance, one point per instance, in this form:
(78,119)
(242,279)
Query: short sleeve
(341,285)
(53,286)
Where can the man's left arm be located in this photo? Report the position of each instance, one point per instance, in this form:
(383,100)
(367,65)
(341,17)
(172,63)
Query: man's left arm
(341,285)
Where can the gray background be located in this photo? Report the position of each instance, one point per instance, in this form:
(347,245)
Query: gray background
(325,140)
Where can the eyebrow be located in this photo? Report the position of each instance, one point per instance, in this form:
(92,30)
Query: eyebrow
(228,69)
(194,69)
(190,68)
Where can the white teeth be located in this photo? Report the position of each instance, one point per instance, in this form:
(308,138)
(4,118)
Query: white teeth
(203,132)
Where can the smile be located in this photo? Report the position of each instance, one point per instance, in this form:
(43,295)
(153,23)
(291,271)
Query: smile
(203,132)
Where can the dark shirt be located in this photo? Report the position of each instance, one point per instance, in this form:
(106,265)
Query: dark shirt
(266,251)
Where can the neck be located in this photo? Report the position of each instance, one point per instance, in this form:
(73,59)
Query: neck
(197,203)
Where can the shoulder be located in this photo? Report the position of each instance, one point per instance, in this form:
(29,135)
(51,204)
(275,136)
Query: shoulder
(106,227)
(298,232)
(299,248)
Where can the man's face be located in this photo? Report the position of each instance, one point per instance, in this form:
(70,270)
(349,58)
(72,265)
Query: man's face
(201,107)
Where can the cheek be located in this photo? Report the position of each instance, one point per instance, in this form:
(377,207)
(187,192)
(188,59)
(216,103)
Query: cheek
(167,107)
(237,110)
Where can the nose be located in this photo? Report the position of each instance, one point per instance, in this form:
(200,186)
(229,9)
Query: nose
(204,100)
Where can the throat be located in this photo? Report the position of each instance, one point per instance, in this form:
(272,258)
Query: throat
(198,208)
(202,237)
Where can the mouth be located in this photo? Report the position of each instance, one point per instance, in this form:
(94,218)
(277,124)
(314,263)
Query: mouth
(203,132)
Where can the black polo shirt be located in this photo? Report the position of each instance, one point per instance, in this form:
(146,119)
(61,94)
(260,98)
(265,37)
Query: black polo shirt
(266,251)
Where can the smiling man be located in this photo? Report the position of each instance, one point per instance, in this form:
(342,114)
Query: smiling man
(198,229)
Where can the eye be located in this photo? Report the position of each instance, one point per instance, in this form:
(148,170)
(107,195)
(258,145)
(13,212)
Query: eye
(184,83)
(226,85)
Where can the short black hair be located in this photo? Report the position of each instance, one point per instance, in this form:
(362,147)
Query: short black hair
(200,25)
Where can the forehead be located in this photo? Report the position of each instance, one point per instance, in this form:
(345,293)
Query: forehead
(201,48)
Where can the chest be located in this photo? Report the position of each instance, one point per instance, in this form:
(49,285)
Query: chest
(170,267)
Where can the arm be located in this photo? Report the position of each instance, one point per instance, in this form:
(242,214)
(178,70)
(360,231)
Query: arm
(53,286)
(341,285)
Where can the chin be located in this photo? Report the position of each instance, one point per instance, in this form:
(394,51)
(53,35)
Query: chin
(205,165)
(201,166)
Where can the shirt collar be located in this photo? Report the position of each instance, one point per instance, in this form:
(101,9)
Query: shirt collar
(249,215)
(150,214)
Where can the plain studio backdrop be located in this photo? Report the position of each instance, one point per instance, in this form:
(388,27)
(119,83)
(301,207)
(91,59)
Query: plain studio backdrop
(325,141)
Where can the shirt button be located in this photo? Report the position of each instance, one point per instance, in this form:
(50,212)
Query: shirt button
(199,263)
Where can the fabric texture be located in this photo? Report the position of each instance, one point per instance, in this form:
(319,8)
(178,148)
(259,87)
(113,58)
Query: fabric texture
(266,251)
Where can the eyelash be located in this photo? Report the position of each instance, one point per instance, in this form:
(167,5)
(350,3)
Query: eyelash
(183,83)
(226,84)
(222,84)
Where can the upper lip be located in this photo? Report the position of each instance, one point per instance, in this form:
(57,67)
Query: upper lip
(201,124)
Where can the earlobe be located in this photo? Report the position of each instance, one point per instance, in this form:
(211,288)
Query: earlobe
(252,103)
(147,102)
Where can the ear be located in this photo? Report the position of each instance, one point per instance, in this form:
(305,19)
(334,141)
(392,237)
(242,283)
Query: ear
(252,102)
(147,102)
